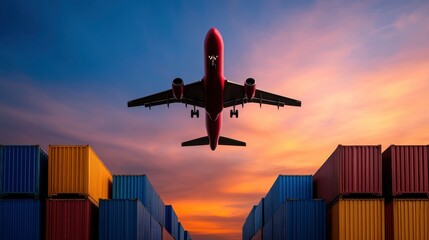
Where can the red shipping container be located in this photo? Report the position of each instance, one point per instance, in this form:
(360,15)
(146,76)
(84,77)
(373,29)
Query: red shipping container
(406,170)
(71,219)
(350,170)
(166,235)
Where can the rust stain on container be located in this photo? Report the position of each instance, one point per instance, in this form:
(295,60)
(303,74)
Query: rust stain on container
(78,170)
(406,170)
(350,170)
(356,219)
(407,219)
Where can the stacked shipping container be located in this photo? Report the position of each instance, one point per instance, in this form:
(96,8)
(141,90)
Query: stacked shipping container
(23,185)
(406,187)
(287,212)
(349,180)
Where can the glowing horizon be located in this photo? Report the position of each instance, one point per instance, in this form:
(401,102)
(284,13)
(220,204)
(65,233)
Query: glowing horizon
(361,71)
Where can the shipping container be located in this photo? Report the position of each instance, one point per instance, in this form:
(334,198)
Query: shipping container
(138,186)
(69,219)
(407,219)
(21,219)
(171,221)
(155,230)
(259,215)
(248,229)
(267,232)
(124,219)
(187,235)
(181,231)
(166,235)
(258,235)
(300,219)
(352,171)
(77,170)
(23,171)
(287,187)
(406,171)
(356,219)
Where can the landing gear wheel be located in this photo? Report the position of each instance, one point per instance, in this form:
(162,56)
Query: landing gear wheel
(233,113)
(196,113)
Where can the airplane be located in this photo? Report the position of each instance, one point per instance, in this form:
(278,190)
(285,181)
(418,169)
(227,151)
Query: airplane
(214,93)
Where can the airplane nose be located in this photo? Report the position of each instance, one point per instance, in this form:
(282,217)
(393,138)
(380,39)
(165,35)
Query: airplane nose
(213,33)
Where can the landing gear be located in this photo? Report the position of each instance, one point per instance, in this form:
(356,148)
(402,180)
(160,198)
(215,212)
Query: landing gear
(233,113)
(195,113)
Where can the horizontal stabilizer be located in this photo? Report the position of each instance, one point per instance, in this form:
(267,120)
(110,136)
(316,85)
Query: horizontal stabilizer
(230,142)
(196,142)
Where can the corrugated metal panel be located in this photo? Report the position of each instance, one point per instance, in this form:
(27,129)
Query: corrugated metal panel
(350,170)
(123,219)
(21,219)
(181,231)
(259,215)
(287,187)
(258,235)
(155,230)
(267,233)
(300,219)
(407,219)
(356,219)
(187,235)
(71,219)
(138,186)
(23,171)
(78,170)
(171,221)
(406,170)
(248,229)
(166,235)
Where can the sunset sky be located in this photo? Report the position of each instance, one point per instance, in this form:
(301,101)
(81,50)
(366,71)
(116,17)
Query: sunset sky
(360,68)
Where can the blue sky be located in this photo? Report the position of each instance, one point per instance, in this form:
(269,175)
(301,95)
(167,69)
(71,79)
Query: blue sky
(67,70)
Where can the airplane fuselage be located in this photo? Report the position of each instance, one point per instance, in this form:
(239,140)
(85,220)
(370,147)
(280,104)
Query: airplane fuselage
(214,83)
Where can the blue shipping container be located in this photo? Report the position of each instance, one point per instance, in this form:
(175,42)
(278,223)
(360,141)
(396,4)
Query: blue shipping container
(300,219)
(139,187)
(171,221)
(123,219)
(21,219)
(23,171)
(287,187)
(248,229)
(259,215)
(181,231)
(155,230)
(187,236)
(267,232)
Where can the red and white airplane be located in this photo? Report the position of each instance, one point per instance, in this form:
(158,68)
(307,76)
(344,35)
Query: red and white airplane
(214,93)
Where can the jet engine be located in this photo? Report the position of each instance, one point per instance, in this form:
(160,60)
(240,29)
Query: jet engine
(249,88)
(177,87)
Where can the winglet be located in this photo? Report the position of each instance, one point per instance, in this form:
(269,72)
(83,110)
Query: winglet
(196,142)
(231,142)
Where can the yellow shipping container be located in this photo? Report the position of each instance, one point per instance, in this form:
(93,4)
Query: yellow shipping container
(78,170)
(356,219)
(407,219)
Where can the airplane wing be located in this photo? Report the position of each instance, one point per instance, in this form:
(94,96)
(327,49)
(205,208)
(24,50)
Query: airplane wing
(193,94)
(234,95)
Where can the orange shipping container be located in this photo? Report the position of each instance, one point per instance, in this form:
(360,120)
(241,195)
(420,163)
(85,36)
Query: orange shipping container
(355,219)
(77,170)
(407,219)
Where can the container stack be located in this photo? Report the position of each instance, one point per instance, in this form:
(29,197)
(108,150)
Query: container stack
(406,189)
(288,211)
(23,185)
(77,180)
(351,183)
(136,209)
